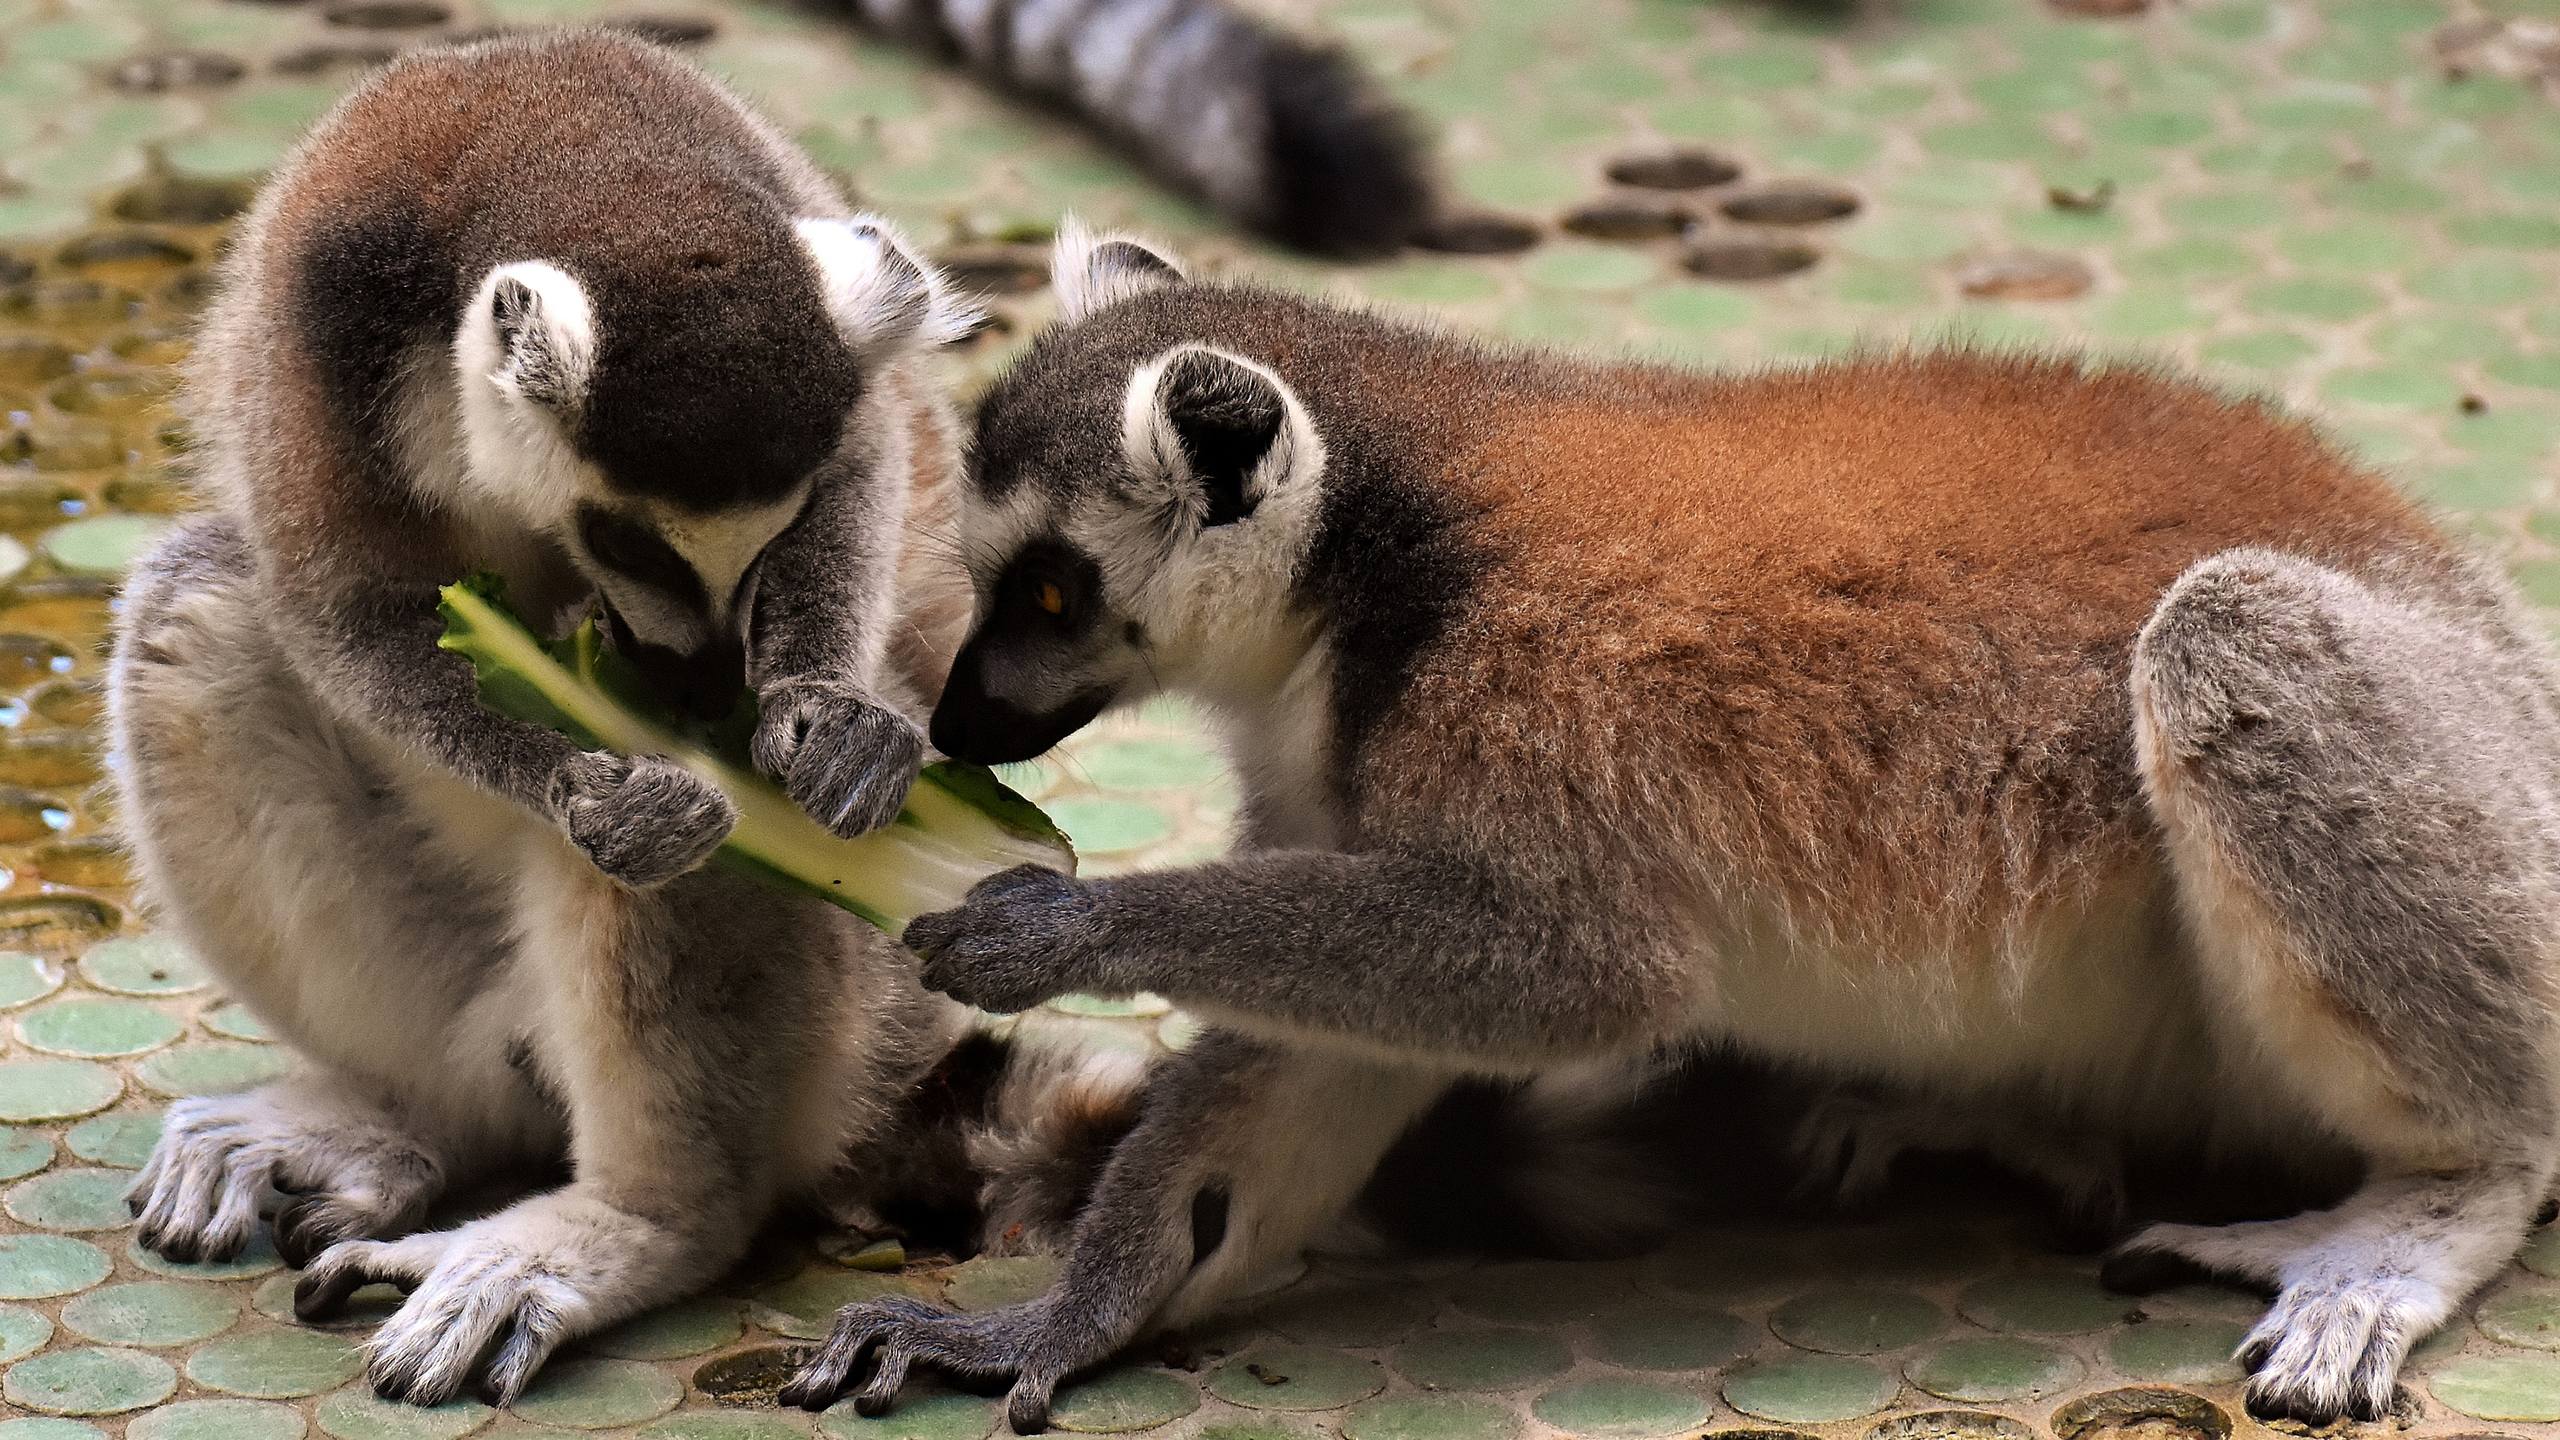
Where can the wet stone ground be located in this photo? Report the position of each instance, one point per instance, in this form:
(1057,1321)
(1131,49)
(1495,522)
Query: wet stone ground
(2351,203)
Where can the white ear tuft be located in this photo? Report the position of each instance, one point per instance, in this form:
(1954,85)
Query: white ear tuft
(1091,271)
(1210,434)
(531,333)
(883,299)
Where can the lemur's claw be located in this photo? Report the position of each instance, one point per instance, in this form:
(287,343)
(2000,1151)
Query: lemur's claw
(846,759)
(645,820)
(1012,944)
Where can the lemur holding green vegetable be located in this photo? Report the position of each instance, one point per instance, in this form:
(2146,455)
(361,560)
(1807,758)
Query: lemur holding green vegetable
(563,310)
(2004,728)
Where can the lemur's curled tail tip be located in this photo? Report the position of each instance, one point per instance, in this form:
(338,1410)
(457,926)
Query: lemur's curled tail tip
(1287,135)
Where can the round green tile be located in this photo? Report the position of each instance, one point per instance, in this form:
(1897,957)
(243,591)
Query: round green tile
(2541,372)
(1856,1321)
(93,1381)
(690,1328)
(2523,1314)
(56,1089)
(929,1417)
(258,1259)
(34,1267)
(1148,764)
(1100,825)
(2501,1387)
(592,1394)
(2412,387)
(23,1331)
(1986,1368)
(356,1413)
(1370,1315)
(1123,1400)
(1429,1417)
(1295,1377)
(1660,1338)
(1611,1408)
(1541,1292)
(212,1067)
(142,965)
(1431,282)
(236,1022)
(992,1281)
(2330,299)
(102,544)
(2479,280)
(1580,267)
(23,1152)
(49,1428)
(804,1306)
(77,1199)
(152,1313)
(2042,1304)
(98,1028)
(1810,1389)
(1481,1359)
(25,979)
(2182,1352)
(218,1420)
(121,1140)
(276,1364)
(727,1425)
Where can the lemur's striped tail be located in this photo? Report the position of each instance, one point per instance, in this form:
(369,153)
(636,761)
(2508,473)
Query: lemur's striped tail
(1287,135)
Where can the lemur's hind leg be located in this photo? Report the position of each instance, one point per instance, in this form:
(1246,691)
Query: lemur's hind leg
(710,1045)
(345,1169)
(1243,1152)
(2356,790)
(1851,1136)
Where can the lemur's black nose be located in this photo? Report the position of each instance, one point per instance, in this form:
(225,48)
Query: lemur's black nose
(969,723)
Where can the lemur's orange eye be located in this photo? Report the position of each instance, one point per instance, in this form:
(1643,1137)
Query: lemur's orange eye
(1051,598)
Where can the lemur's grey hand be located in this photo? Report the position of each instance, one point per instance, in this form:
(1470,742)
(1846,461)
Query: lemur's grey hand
(845,758)
(643,821)
(1021,937)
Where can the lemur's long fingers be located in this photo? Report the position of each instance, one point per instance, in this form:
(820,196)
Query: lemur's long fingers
(349,1266)
(888,1374)
(1026,1406)
(822,1377)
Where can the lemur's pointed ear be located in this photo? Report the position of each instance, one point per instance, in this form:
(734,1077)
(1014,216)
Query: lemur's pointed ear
(535,332)
(1091,271)
(883,299)
(1212,435)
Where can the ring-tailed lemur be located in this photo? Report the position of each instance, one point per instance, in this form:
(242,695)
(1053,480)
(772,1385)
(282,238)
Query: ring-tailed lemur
(1288,136)
(564,310)
(1988,725)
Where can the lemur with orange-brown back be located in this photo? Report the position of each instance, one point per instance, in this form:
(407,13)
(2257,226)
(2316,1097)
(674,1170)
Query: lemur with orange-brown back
(2008,729)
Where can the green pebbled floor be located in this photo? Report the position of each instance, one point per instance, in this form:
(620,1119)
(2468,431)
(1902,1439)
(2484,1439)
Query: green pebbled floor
(2300,196)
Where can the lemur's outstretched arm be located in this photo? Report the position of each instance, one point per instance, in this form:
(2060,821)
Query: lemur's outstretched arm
(359,617)
(1425,954)
(823,609)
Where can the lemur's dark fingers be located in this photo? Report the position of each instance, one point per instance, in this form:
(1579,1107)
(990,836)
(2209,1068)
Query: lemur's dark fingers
(1026,1406)
(346,1267)
(823,1375)
(888,1374)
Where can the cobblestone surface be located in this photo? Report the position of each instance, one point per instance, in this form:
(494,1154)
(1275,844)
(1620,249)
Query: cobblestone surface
(2309,197)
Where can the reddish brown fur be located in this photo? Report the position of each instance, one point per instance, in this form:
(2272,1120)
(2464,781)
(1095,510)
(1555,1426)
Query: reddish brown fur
(1873,619)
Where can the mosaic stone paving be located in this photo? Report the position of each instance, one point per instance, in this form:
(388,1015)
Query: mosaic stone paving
(2354,203)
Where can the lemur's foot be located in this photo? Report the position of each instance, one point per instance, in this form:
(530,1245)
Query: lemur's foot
(1015,1343)
(222,1160)
(492,1299)
(2356,1286)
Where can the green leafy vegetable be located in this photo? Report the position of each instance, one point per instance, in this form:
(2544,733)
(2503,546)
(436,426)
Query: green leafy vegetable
(960,825)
